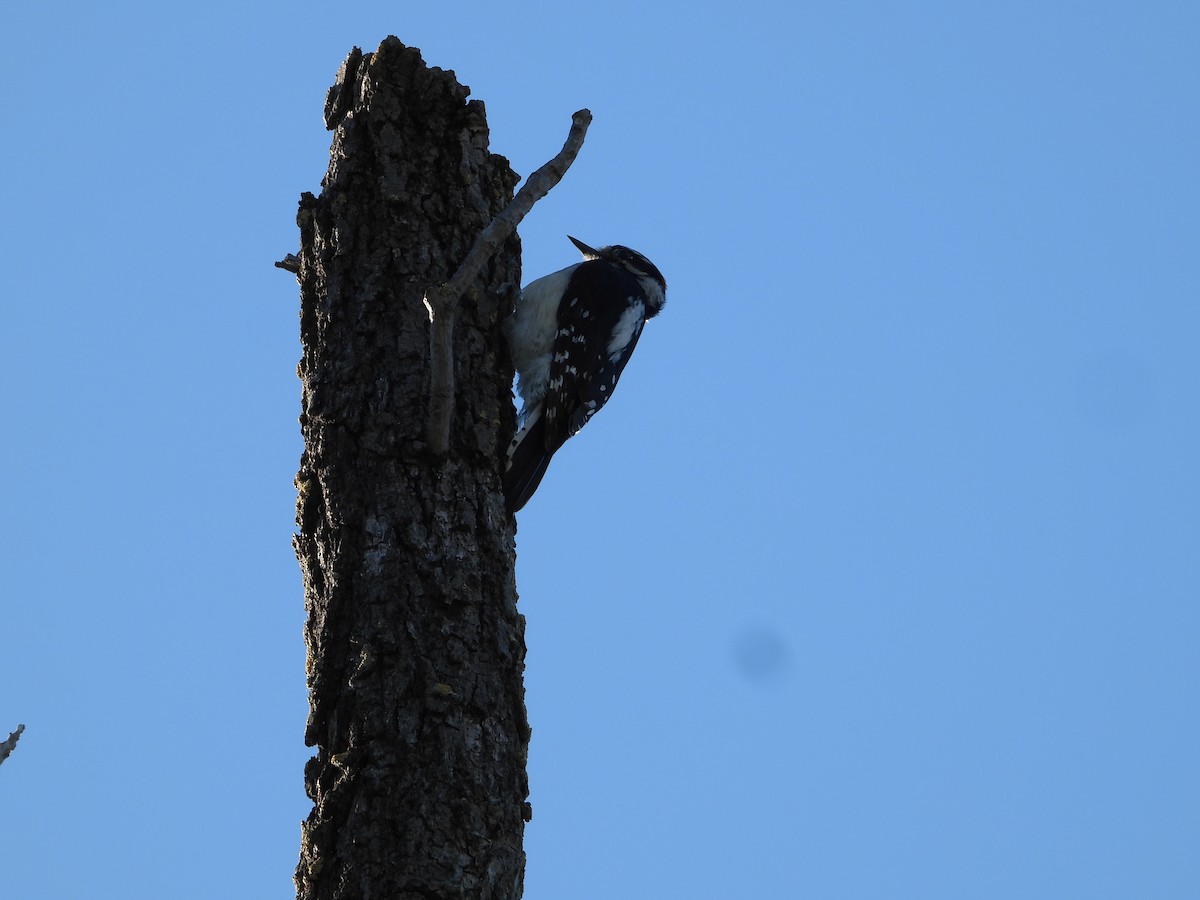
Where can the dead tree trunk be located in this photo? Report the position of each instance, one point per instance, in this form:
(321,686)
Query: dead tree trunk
(415,646)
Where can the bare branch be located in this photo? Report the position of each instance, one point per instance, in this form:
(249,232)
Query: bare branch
(536,186)
(11,744)
(442,300)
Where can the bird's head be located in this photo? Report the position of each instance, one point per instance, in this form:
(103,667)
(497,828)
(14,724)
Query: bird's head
(634,263)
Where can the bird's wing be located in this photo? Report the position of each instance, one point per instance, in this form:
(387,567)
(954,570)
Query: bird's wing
(591,347)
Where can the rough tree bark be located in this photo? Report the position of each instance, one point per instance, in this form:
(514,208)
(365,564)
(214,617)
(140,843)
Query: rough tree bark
(415,646)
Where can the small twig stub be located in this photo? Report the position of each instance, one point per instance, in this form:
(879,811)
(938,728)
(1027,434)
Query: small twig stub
(11,744)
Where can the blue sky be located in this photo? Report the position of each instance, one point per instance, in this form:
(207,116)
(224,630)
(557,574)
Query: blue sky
(892,526)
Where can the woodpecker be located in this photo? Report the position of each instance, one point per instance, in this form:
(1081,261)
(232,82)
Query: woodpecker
(570,337)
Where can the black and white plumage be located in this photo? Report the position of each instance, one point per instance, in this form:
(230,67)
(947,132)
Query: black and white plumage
(570,337)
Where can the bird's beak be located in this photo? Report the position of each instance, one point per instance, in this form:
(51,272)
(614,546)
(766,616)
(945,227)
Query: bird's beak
(583,248)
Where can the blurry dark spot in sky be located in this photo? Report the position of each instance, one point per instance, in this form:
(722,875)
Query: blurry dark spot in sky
(1115,391)
(760,654)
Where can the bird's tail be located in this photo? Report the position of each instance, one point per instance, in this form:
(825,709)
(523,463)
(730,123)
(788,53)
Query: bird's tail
(527,461)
